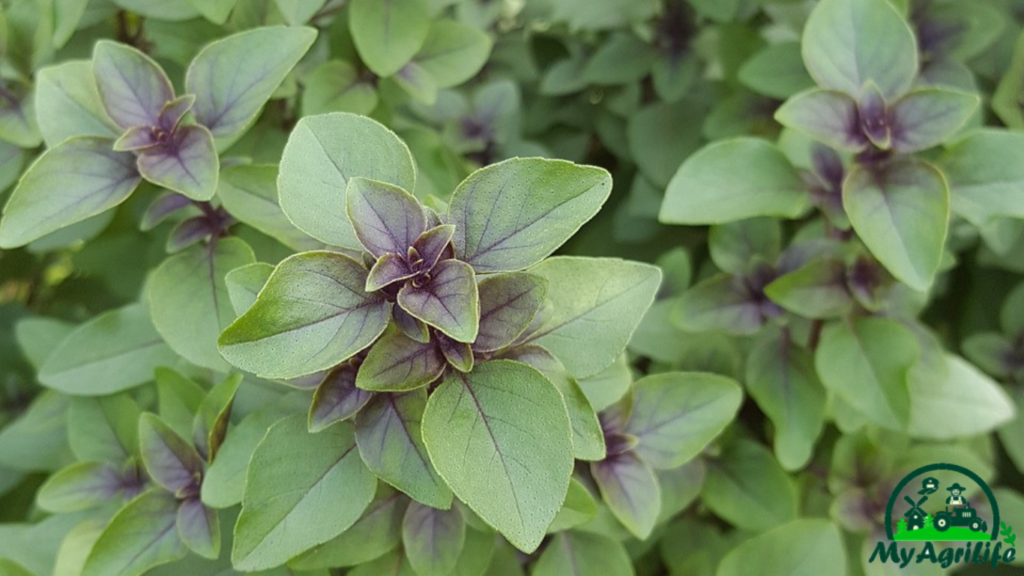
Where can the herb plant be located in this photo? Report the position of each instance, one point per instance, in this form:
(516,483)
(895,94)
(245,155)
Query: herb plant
(496,288)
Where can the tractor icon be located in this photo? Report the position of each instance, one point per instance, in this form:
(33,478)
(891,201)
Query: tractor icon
(965,516)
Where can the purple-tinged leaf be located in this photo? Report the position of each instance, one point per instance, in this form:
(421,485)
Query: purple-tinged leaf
(676,415)
(430,247)
(233,77)
(79,487)
(391,445)
(433,539)
(162,208)
(18,118)
(104,429)
(170,461)
(80,178)
(387,270)
(337,398)
(199,528)
(187,163)
(458,354)
(410,326)
(211,422)
(418,83)
(929,117)
(508,304)
(631,491)
(816,290)
(172,112)
(827,116)
(448,300)
(188,232)
(385,217)
(397,363)
(136,138)
(579,553)
(512,214)
(874,116)
(721,302)
(132,86)
(140,536)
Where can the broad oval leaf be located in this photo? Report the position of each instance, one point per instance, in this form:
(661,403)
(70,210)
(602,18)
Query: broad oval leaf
(112,352)
(80,486)
(322,154)
(391,444)
(720,303)
(81,177)
(337,398)
(199,528)
(384,217)
(929,117)
(847,43)
(68,103)
(965,402)
(901,212)
(133,87)
(311,315)
(812,547)
(597,303)
(508,304)
(292,490)
(708,189)
(397,363)
(453,52)
(575,553)
(187,163)
(676,415)
(249,193)
(828,116)
(170,460)
(234,77)
(865,362)
(376,533)
(388,34)
(189,300)
(140,536)
(448,301)
(500,437)
(512,214)
(746,486)
(984,175)
(104,429)
(244,284)
(631,490)
(433,539)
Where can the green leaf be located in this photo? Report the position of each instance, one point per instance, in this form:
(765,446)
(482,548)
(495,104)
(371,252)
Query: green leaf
(657,143)
(433,539)
(581,554)
(189,298)
(964,403)
(391,444)
(453,52)
(376,533)
(37,440)
(501,439)
(298,11)
(983,175)
(81,177)
(214,415)
(865,362)
(179,398)
(68,103)
(140,536)
(79,487)
(708,189)
(622,59)
(813,547)
(311,315)
(722,302)
(782,380)
(244,284)
(738,247)
(448,301)
(597,303)
(10,568)
(776,71)
(234,77)
(388,34)
(170,460)
(676,415)
(828,116)
(104,429)
(132,86)
(322,154)
(18,119)
(199,528)
(114,351)
(508,304)
(291,498)
(609,385)
(747,488)
(928,117)
(215,11)
(817,290)
(579,508)
(631,491)
(901,212)
(397,363)
(249,193)
(846,43)
(512,214)
(335,86)
(337,398)
(187,164)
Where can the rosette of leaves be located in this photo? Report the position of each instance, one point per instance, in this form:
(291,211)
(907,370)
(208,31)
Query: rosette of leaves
(452,341)
(115,121)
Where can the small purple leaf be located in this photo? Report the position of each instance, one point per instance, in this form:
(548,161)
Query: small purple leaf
(431,245)
(397,363)
(508,304)
(391,444)
(132,86)
(337,398)
(385,217)
(828,116)
(928,117)
(187,163)
(410,326)
(199,528)
(187,232)
(631,491)
(874,116)
(172,112)
(79,487)
(458,354)
(171,461)
(136,138)
(387,270)
(433,539)
(448,300)
(160,209)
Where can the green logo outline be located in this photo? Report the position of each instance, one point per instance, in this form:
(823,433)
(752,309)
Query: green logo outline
(942,466)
